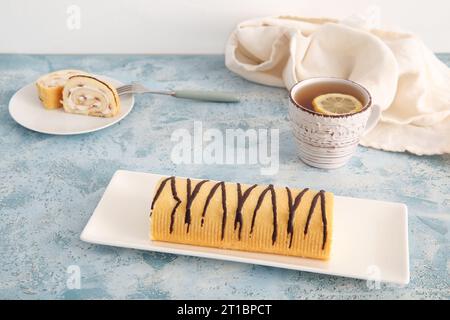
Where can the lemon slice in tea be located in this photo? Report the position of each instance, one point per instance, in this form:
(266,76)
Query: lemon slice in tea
(336,104)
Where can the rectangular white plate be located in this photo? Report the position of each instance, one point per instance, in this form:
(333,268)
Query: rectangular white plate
(370,238)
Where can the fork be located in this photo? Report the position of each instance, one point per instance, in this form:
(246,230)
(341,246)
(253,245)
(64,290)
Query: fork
(212,96)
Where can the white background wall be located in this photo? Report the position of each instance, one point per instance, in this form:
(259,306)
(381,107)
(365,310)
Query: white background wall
(187,26)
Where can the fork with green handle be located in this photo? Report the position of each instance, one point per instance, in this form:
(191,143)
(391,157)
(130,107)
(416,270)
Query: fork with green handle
(212,96)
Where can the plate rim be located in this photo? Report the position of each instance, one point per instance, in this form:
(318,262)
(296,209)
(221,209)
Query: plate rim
(120,118)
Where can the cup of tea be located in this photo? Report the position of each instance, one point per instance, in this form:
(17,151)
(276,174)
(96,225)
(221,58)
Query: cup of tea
(328,140)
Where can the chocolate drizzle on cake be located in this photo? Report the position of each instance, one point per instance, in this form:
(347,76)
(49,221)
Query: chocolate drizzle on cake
(324,219)
(190,198)
(158,193)
(224,208)
(258,205)
(208,199)
(240,204)
(224,205)
(175,196)
(321,195)
(274,210)
(292,208)
(187,215)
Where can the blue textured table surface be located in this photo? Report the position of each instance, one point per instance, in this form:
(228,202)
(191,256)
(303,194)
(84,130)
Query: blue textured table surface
(50,185)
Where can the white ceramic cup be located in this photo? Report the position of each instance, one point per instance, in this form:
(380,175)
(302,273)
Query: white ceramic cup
(329,141)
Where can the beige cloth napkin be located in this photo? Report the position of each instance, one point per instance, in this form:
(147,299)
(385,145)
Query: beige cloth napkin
(408,82)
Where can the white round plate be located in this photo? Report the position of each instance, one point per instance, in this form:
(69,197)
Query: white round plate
(26,109)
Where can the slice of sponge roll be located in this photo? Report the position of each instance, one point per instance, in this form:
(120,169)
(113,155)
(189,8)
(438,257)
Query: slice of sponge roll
(50,87)
(88,95)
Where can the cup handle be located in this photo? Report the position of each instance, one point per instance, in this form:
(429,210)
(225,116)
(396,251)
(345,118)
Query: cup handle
(375,115)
